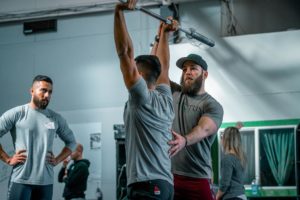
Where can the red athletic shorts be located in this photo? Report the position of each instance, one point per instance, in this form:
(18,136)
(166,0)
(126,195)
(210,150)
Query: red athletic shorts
(187,188)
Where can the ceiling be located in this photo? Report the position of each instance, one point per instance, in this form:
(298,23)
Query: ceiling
(18,10)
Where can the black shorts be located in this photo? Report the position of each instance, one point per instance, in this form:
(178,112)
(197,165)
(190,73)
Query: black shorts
(150,190)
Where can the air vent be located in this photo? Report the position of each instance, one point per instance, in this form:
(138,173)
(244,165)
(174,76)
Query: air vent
(44,26)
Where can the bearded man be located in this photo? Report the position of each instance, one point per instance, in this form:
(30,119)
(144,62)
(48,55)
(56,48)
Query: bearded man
(33,128)
(198,117)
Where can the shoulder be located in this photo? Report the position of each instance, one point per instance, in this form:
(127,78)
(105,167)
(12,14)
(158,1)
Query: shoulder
(212,106)
(52,112)
(164,89)
(84,163)
(16,111)
(211,99)
(140,84)
(21,108)
(139,93)
(54,115)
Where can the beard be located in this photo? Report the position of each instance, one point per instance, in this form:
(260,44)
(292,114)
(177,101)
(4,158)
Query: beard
(194,88)
(41,104)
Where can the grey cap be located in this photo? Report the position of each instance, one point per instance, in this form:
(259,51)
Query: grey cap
(194,58)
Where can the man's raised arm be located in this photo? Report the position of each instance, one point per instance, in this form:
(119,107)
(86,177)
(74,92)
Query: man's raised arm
(162,49)
(124,46)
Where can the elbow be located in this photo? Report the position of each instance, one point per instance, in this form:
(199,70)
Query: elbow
(209,131)
(205,131)
(208,127)
(123,52)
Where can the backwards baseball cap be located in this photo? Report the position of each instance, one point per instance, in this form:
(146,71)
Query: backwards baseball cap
(194,58)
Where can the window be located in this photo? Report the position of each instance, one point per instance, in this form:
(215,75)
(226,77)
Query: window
(277,157)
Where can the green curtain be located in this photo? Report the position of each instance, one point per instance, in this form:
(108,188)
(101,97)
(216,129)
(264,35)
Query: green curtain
(279,147)
(248,147)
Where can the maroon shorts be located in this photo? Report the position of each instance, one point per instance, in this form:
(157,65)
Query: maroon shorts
(188,188)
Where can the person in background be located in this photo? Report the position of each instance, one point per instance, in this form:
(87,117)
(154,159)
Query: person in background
(148,115)
(232,166)
(76,176)
(33,127)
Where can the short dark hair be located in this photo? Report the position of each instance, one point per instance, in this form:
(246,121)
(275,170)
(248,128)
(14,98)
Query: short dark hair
(42,78)
(150,65)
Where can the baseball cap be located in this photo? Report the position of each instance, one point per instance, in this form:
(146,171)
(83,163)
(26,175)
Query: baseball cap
(194,58)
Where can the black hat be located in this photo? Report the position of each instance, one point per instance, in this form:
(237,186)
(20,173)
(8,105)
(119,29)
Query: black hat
(194,58)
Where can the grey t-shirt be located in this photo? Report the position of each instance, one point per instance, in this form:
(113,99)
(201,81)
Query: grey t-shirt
(194,160)
(148,118)
(34,130)
(232,175)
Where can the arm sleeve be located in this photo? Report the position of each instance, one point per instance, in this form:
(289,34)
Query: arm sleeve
(66,134)
(226,173)
(139,93)
(7,121)
(165,89)
(61,174)
(214,110)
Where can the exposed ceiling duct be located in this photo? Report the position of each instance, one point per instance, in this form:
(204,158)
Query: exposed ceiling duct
(11,13)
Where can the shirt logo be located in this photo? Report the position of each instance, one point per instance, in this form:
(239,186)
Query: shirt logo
(49,125)
(156,190)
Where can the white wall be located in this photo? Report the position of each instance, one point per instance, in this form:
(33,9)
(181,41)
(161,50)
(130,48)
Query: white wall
(255,77)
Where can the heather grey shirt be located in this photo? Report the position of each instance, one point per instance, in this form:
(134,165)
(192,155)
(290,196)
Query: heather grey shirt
(232,175)
(148,118)
(34,130)
(194,160)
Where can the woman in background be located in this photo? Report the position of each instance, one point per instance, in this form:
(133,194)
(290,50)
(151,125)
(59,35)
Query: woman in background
(232,166)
